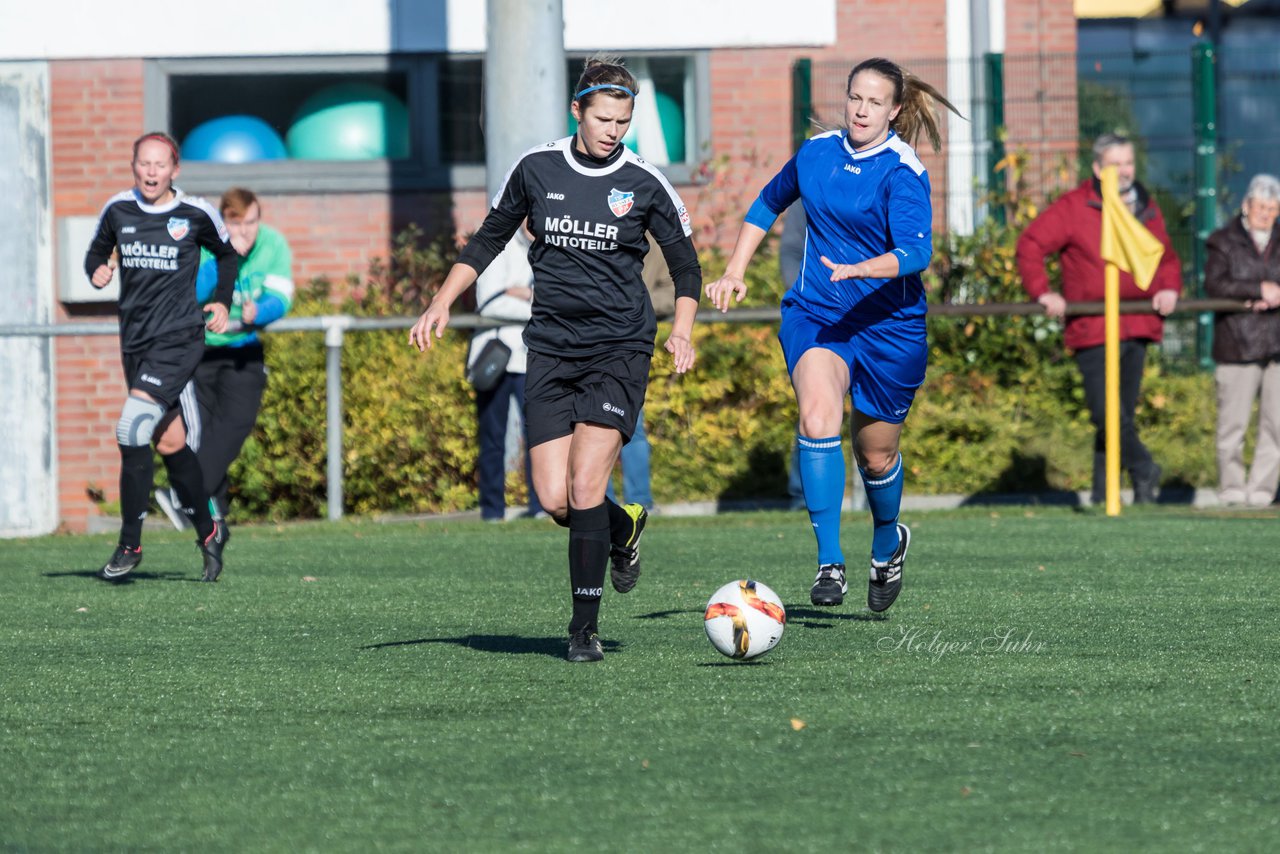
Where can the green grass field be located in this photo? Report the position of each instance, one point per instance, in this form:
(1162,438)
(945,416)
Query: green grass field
(1049,680)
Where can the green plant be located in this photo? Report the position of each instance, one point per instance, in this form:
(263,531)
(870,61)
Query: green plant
(1000,410)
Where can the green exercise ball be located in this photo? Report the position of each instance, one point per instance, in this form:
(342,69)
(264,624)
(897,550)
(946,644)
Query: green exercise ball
(669,115)
(672,118)
(350,121)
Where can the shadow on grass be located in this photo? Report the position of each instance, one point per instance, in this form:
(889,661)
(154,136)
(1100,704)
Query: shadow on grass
(662,615)
(507,644)
(822,618)
(128,579)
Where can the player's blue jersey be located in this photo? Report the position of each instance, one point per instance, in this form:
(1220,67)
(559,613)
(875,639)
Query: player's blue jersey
(859,205)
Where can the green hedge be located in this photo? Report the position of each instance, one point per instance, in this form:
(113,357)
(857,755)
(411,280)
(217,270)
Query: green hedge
(1001,409)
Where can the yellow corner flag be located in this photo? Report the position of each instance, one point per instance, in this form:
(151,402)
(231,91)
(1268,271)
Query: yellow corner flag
(1128,246)
(1125,241)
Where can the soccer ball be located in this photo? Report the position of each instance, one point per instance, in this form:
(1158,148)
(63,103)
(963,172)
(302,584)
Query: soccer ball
(744,619)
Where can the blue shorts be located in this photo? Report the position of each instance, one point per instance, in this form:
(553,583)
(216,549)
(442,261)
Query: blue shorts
(886,359)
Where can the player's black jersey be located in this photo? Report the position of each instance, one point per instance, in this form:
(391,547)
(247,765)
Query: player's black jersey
(589,219)
(159,258)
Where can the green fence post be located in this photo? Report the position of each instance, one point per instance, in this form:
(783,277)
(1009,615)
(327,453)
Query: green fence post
(994,79)
(1203,57)
(801,100)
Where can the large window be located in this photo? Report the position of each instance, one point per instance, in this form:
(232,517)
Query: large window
(290,124)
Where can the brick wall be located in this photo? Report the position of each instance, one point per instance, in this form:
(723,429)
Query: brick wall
(90,391)
(1040,89)
(97,111)
(95,114)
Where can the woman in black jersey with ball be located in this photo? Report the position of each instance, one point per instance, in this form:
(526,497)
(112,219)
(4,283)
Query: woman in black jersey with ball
(588,202)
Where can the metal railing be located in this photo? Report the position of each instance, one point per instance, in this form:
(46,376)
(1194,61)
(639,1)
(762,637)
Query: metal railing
(336,326)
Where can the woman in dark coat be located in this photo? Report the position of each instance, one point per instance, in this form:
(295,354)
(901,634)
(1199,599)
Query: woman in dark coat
(1244,263)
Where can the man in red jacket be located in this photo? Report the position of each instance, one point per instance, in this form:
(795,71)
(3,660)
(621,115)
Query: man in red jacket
(1072,228)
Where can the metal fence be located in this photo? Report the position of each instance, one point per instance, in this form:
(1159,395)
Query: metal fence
(1203,120)
(1053,105)
(336,327)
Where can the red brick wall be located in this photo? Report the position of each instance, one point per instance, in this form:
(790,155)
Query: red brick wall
(95,114)
(97,111)
(90,391)
(1040,89)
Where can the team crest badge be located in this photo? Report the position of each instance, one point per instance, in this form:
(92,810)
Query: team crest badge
(178,227)
(620,202)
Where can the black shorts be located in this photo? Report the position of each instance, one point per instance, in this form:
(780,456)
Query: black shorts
(607,390)
(164,367)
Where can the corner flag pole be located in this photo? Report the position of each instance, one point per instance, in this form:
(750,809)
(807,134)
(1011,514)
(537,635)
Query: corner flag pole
(1111,315)
(1126,245)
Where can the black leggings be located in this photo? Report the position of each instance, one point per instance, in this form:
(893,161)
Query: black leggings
(1134,456)
(229,386)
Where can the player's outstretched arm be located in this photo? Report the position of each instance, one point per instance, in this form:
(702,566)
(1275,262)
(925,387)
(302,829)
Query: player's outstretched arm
(731,287)
(436,317)
(680,342)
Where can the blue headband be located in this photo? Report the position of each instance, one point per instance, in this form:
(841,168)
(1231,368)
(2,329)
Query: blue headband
(578,96)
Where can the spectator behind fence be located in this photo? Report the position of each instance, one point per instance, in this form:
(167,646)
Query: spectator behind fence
(504,291)
(1072,228)
(1244,263)
(232,374)
(634,457)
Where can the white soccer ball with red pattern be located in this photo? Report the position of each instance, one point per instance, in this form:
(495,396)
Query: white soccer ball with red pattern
(744,619)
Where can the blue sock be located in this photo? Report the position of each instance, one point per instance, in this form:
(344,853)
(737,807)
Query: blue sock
(884,498)
(822,475)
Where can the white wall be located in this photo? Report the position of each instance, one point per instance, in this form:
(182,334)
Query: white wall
(28,479)
(291,27)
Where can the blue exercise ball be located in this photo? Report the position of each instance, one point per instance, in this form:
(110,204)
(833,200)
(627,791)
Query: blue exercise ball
(350,121)
(234,139)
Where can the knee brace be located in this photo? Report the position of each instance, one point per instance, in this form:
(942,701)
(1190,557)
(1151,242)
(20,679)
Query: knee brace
(138,422)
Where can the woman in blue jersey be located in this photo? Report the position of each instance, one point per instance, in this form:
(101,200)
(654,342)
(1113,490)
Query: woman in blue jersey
(590,204)
(853,322)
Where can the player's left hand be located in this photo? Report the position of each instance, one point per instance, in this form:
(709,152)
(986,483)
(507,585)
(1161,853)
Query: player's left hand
(218,322)
(1164,302)
(840,272)
(248,311)
(682,349)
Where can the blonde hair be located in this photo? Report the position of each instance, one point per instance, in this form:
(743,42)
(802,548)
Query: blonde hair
(605,70)
(918,101)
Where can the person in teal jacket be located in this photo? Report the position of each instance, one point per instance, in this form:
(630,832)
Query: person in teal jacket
(232,376)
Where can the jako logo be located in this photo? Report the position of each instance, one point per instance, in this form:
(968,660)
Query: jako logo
(559,197)
(849,167)
(128,229)
(590,592)
(147,378)
(609,407)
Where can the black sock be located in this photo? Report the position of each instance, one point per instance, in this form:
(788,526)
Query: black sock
(588,557)
(185,475)
(620,524)
(137,469)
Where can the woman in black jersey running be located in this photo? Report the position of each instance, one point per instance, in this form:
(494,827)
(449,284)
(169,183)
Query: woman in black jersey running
(158,231)
(589,202)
